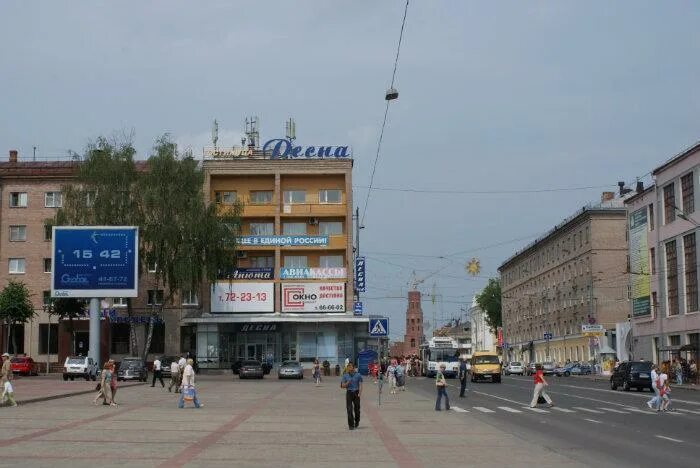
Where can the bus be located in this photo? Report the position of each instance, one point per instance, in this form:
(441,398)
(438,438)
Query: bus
(437,351)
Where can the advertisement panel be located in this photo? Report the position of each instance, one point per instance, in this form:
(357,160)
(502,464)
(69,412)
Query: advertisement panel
(229,297)
(294,241)
(639,263)
(252,274)
(360,278)
(313,297)
(313,273)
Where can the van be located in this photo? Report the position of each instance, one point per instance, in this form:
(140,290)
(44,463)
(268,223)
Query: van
(79,366)
(486,365)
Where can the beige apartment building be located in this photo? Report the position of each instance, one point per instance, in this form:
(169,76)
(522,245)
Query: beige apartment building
(575,274)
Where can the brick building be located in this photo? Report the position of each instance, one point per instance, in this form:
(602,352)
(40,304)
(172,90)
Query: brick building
(414,328)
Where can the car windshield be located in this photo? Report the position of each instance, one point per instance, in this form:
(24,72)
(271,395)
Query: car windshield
(76,360)
(18,359)
(290,364)
(641,367)
(486,360)
(515,364)
(445,355)
(251,363)
(129,364)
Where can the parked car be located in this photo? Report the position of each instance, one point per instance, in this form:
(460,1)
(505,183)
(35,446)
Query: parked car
(79,366)
(630,374)
(530,368)
(132,368)
(251,368)
(565,370)
(24,366)
(581,369)
(515,367)
(548,368)
(290,370)
(165,363)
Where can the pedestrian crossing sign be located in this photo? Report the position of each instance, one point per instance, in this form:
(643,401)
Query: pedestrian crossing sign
(379,327)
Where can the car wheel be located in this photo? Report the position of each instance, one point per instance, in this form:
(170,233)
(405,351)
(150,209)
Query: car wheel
(613,386)
(567,374)
(626,386)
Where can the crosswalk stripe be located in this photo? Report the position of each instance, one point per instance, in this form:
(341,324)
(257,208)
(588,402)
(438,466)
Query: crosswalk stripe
(688,411)
(458,409)
(587,410)
(563,410)
(483,410)
(612,410)
(510,410)
(637,410)
(536,410)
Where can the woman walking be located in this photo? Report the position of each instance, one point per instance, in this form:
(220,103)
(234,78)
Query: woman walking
(101,385)
(316,370)
(391,376)
(539,391)
(113,382)
(187,391)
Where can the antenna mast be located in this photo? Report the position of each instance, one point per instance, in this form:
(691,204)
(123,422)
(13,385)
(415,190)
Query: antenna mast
(215,133)
(290,128)
(252,131)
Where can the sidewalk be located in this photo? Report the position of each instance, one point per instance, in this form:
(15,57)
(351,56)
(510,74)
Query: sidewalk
(52,386)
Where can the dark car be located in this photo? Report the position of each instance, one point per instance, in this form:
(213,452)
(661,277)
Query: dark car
(132,369)
(581,369)
(251,368)
(165,362)
(630,374)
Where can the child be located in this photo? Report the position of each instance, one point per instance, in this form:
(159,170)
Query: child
(665,396)
(8,394)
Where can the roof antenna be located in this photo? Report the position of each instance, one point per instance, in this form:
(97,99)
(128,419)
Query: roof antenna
(252,131)
(290,128)
(215,133)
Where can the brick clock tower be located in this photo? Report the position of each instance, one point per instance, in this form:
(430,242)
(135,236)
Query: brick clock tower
(414,324)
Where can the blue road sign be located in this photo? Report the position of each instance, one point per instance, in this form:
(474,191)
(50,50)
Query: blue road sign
(547,336)
(95,261)
(357,308)
(379,327)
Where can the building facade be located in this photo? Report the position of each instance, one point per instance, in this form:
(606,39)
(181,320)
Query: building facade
(663,224)
(482,337)
(574,275)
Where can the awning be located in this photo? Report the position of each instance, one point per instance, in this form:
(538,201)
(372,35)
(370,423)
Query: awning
(274,318)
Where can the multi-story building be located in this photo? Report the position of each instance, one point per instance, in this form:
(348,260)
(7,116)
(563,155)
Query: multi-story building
(575,274)
(663,232)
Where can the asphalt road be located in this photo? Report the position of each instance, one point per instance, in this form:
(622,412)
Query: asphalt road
(589,423)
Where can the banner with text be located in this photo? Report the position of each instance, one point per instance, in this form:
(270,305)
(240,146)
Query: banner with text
(227,297)
(313,273)
(294,241)
(639,263)
(313,297)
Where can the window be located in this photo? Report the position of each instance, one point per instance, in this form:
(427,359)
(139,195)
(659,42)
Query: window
(652,259)
(330,196)
(46,296)
(189,298)
(47,265)
(225,198)
(119,302)
(330,228)
(672,277)
(669,204)
(294,229)
(18,233)
(331,261)
(261,197)
(188,339)
(18,200)
(262,262)
(294,196)
(688,193)
(120,338)
(413,342)
(654,301)
(674,340)
(53,199)
(48,340)
(651,216)
(295,261)
(262,229)
(17,266)
(691,273)
(48,232)
(152,266)
(155,297)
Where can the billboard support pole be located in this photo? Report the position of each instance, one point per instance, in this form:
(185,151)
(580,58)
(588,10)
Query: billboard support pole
(94,341)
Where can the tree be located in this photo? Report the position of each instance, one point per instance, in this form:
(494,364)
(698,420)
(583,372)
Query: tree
(69,308)
(489,300)
(104,194)
(188,240)
(15,307)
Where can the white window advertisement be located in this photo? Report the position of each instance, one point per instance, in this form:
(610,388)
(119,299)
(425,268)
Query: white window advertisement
(232,297)
(313,297)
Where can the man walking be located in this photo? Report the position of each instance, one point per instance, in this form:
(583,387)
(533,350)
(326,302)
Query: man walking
(5,377)
(441,385)
(157,373)
(352,382)
(174,376)
(462,376)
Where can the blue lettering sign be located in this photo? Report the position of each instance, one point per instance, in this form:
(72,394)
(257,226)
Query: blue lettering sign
(282,148)
(360,278)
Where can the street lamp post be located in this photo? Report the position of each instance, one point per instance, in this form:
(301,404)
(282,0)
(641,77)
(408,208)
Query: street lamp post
(48,309)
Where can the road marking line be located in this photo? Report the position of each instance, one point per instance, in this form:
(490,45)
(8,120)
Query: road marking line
(675,413)
(614,410)
(509,409)
(637,410)
(483,410)
(669,438)
(592,420)
(500,398)
(688,411)
(587,410)
(536,410)
(458,409)
(563,410)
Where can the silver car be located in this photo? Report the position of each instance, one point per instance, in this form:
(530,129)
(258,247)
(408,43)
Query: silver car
(515,368)
(290,370)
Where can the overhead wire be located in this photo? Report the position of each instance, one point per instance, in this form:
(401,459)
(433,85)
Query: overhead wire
(482,192)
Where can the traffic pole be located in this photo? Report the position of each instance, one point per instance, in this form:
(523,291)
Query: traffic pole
(94,340)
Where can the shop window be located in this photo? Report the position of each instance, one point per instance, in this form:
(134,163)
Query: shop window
(261,197)
(262,229)
(294,229)
(120,338)
(330,228)
(208,345)
(48,339)
(18,200)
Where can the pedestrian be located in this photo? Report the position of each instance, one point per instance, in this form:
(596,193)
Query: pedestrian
(187,390)
(678,369)
(463,376)
(391,376)
(352,383)
(661,383)
(665,393)
(655,400)
(8,392)
(157,373)
(316,372)
(101,385)
(182,362)
(539,391)
(441,385)
(106,385)
(113,382)
(401,376)
(174,376)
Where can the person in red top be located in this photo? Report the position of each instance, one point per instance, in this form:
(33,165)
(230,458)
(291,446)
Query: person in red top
(540,383)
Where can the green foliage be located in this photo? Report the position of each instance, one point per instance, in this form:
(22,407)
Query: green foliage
(489,300)
(15,305)
(69,308)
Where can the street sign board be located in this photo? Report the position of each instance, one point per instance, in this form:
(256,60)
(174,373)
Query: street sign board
(357,308)
(379,327)
(360,278)
(94,261)
(594,329)
(547,336)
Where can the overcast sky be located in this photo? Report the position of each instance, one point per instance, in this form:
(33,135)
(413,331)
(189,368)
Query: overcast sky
(493,96)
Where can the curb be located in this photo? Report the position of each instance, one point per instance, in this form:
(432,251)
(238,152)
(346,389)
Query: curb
(67,395)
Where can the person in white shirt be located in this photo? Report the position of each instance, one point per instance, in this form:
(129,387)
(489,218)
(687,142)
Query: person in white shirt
(663,377)
(655,401)
(188,386)
(174,376)
(157,373)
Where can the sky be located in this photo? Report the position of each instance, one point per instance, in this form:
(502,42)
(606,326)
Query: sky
(494,97)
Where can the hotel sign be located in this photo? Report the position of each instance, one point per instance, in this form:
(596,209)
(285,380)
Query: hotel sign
(282,148)
(313,273)
(295,241)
